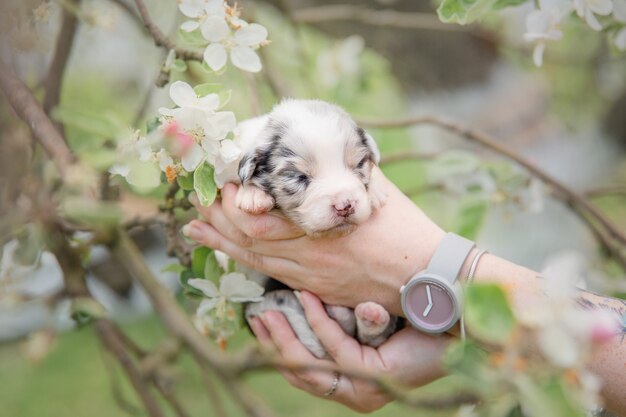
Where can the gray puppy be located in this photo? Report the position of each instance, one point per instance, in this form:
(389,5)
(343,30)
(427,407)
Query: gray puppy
(309,160)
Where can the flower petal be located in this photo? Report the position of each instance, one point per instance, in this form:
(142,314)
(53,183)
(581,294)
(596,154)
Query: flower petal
(592,20)
(191,8)
(207,287)
(538,54)
(229,152)
(235,287)
(164,160)
(214,29)
(182,94)
(215,8)
(251,35)
(193,157)
(243,57)
(207,305)
(215,56)
(190,25)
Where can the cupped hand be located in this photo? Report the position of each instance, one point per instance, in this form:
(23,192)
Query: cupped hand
(370,264)
(408,357)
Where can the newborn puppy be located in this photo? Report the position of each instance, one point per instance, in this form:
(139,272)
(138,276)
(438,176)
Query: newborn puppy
(310,161)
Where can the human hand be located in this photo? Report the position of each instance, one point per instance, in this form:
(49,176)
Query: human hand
(370,264)
(408,357)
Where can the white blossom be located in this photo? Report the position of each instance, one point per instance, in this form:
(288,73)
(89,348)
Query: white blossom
(234,287)
(200,11)
(239,45)
(588,9)
(542,26)
(193,130)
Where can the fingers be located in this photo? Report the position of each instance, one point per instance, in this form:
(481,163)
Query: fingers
(341,347)
(207,235)
(263,227)
(316,382)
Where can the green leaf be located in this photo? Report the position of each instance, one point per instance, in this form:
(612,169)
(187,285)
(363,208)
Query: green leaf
(550,398)
(452,163)
(501,4)
(184,277)
(174,267)
(99,158)
(464,11)
(198,260)
(152,124)
(185,182)
(193,38)
(471,217)
(95,123)
(465,358)
(212,269)
(85,309)
(179,65)
(488,316)
(203,90)
(204,184)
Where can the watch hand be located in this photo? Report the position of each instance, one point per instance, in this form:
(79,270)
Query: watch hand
(430,302)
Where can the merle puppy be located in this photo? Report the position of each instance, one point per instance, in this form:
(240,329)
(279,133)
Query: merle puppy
(310,161)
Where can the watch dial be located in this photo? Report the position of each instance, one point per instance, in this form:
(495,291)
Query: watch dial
(431,305)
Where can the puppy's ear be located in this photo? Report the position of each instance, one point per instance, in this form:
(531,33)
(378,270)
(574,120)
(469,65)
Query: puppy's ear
(370,144)
(247,165)
(255,162)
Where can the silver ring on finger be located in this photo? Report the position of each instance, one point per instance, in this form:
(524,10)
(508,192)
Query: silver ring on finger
(334,385)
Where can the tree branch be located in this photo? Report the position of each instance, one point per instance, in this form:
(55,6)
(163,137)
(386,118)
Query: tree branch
(384,18)
(177,323)
(110,340)
(63,49)
(163,41)
(586,210)
(28,109)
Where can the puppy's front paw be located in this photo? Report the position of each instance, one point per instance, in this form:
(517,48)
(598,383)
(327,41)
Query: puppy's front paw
(371,318)
(374,325)
(377,188)
(252,199)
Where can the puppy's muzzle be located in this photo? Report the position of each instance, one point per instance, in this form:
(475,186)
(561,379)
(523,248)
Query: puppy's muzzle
(345,209)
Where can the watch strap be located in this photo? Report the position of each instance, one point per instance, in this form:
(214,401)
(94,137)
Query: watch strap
(450,257)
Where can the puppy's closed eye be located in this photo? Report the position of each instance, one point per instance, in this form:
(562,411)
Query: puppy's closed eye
(295,175)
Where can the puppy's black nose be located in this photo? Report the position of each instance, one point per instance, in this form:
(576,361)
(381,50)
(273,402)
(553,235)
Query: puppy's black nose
(344,209)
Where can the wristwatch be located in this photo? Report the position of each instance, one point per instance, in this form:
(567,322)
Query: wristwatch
(432,300)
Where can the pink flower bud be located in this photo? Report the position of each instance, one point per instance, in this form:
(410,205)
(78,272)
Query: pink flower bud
(171,128)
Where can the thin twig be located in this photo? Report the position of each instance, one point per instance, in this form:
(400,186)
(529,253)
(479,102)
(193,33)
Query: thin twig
(605,191)
(385,18)
(586,210)
(403,156)
(163,41)
(63,49)
(28,109)
(110,340)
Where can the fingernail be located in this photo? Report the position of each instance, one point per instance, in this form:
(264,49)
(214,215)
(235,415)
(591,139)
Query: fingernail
(298,295)
(192,232)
